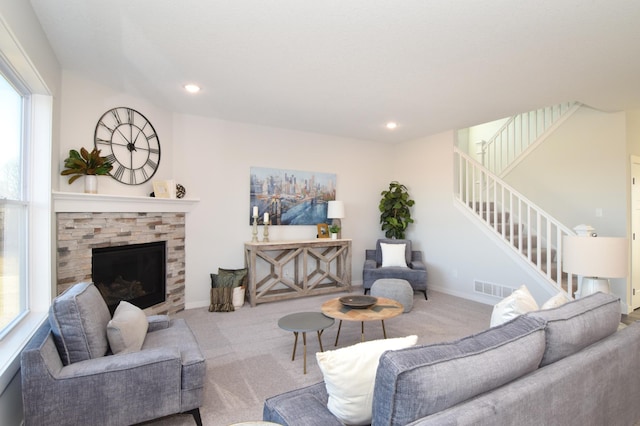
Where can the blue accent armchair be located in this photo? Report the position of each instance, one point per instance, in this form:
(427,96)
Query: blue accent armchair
(70,377)
(415,272)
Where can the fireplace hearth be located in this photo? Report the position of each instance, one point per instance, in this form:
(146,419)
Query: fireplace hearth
(133,272)
(79,233)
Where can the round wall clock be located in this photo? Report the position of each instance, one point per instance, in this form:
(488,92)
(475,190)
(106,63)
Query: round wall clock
(130,143)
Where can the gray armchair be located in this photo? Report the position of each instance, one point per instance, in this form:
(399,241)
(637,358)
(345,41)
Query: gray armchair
(69,376)
(415,272)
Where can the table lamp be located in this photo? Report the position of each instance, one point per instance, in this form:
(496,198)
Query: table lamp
(596,259)
(335,211)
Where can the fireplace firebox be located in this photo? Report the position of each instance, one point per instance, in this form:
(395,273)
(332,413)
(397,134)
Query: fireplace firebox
(135,273)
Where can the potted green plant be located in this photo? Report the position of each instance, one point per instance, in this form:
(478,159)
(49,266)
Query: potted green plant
(395,210)
(85,163)
(333,230)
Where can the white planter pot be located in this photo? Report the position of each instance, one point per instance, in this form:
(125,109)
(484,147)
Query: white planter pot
(334,236)
(91,184)
(238,297)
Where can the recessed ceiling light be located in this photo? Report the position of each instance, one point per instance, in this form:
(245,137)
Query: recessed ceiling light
(392,125)
(192,88)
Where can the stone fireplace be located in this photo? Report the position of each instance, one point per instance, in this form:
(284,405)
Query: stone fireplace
(86,222)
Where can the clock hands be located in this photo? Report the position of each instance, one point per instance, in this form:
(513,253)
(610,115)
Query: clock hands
(140,130)
(122,134)
(130,140)
(131,149)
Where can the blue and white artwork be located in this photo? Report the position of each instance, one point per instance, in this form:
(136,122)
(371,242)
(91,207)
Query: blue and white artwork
(291,197)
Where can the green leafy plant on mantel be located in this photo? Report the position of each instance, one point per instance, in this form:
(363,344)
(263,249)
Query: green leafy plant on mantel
(395,213)
(85,163)
(334,229)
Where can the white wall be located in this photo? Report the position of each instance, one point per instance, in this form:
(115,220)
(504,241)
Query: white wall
(580,168)
(633,132)
(21,19)
(212,159)
(82,104)
(457,253)
(483,132)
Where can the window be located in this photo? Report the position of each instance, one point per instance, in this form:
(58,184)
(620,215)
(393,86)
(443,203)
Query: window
(26,113)
(13,208)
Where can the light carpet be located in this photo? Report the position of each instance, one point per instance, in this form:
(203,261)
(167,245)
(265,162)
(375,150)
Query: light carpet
(249,356)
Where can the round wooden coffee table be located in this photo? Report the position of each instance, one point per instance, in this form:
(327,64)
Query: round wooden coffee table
(382,310)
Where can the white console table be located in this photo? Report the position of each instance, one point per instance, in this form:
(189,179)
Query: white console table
(290,269)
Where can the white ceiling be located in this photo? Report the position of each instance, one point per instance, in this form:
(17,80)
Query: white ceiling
(346,67)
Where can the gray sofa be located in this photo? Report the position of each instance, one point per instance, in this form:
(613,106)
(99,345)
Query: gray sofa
(564,366)
(69,376)
(415,272)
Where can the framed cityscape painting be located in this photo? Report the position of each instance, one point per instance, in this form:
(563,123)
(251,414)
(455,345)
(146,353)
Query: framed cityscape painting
(290,197)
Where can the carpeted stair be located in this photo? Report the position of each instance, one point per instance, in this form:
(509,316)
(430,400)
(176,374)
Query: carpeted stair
(514,234)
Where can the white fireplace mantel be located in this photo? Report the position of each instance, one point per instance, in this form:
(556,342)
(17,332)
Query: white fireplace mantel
(69,202)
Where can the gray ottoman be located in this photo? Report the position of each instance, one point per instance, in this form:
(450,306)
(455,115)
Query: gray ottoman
(396,289)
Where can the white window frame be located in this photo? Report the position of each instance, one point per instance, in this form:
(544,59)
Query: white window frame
(37,139)
(20,200)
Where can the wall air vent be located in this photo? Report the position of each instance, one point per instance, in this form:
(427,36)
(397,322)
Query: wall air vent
(492,289)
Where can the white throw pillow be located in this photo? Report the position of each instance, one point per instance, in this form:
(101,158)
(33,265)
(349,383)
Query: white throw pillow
(555,301)
(127,329)
(393,255)
(350,374)
(518,303)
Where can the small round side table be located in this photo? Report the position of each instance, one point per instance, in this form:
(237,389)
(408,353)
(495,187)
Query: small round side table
(304,322)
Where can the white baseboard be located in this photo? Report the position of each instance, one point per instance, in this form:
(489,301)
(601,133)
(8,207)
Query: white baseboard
(464,295)
(198,304)
(355,287)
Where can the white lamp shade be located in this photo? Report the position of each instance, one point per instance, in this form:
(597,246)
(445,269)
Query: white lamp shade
(602,257)
(335,210)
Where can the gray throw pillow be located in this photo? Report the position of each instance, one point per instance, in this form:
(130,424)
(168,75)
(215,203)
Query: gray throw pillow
(127,329)
(78,319)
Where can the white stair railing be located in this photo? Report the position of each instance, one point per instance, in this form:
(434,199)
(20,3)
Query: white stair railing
(526,228)
(520,133)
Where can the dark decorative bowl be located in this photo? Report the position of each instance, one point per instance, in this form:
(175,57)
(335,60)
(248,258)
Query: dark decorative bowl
(358,302)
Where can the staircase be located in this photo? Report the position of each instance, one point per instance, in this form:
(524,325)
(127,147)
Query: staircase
(531,233)
(520,134)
